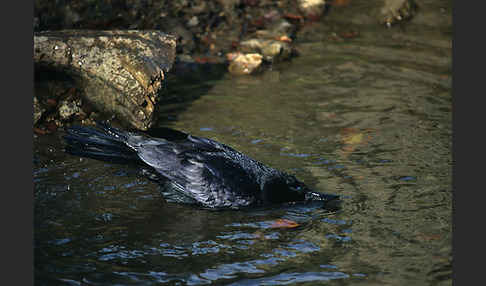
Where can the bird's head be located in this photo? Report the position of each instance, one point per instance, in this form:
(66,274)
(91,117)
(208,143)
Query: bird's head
(287,188)
(284,188)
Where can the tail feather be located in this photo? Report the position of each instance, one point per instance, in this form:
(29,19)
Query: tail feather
(106,144)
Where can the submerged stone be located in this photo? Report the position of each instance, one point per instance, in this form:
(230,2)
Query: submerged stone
(271,50)
(242,64)
(394,11)
(312,8)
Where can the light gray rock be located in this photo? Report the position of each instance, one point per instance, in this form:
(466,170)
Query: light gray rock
(117,72)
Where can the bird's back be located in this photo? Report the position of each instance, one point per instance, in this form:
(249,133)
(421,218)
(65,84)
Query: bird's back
(205,171)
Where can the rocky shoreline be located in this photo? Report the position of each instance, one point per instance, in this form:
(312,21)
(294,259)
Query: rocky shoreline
(75,84)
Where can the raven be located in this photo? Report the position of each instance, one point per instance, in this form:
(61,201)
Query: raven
(192,170)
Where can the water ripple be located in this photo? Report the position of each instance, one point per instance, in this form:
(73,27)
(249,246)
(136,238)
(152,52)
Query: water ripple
(291,278)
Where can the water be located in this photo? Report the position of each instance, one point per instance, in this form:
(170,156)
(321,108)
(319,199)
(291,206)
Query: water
(368,118)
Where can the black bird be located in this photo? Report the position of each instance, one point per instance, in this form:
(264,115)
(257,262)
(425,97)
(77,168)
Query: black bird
(193,170)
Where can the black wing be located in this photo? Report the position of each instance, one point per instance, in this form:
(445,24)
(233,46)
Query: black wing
(204,170)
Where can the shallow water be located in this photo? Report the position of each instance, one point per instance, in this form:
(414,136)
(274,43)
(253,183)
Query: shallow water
(368,118)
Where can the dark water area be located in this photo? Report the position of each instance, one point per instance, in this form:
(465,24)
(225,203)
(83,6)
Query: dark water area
(368,118)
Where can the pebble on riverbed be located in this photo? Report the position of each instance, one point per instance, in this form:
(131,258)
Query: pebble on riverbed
(312,8)
(271,50)
(242,64)
(68,108)
(394,11)
(273,43)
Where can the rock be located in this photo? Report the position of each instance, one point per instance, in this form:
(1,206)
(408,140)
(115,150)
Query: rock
(118,72)
(312,8)
(272,43)
(193,21)
(251,45)
(276,51)
(394,11)
(276,30)
(38,110)
(68,108)
(271,50)
(242,64)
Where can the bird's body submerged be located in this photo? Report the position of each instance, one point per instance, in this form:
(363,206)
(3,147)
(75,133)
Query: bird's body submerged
(193,170)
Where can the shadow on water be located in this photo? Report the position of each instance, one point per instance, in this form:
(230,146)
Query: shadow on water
(186,82)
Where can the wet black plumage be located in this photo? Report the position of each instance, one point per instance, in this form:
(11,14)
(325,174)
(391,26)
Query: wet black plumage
(192,169)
